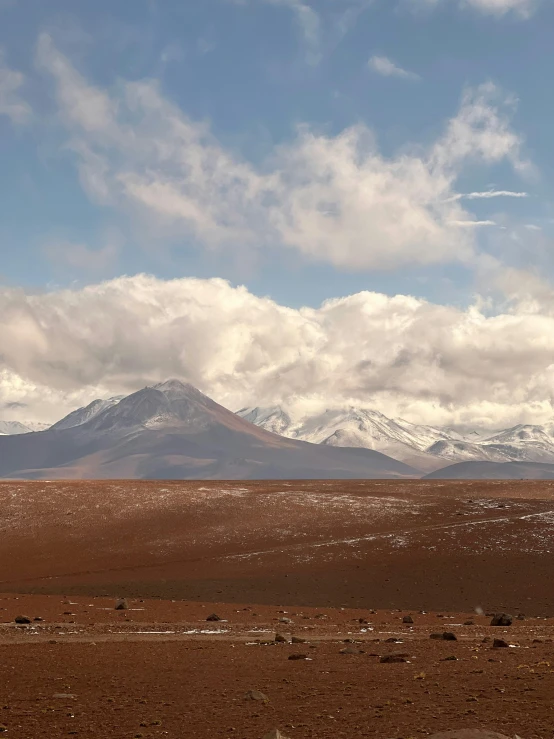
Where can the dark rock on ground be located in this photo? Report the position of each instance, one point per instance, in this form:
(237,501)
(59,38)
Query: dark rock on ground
(298,656)
(22,620)
(121,605)
(213,617)
(280,639)
(501,619)
(298,640)
(499,643)
(445,636)
(407,620)
(394,657)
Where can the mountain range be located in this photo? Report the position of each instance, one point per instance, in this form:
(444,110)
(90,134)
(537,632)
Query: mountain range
(173,431)
(427,448)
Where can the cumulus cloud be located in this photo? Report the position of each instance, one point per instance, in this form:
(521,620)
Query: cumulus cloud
(384,66)
(11,102)
(404,356)
(330,198)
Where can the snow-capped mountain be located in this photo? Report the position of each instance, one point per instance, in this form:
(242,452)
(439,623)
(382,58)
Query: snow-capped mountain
(82,415)
(7,428)
(173,431)
(425,447)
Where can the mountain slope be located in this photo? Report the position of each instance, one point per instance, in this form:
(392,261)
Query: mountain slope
(174,431)
(82,415)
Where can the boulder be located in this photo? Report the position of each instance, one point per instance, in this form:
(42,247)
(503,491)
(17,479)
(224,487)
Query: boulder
(213,617)
(121,605)
(501,619)
(499,644)
(407,620)
(280,639)
(22,620)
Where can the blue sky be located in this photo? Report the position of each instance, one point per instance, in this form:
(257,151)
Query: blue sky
(255,71)
(306,149)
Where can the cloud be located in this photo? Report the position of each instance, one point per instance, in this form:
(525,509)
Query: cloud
(404,356)
(473,224)
(521,8)
(11,102)
(492,194)
(384,66)
(335,199)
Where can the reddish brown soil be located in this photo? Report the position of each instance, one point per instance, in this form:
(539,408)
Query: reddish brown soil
(118,682)
(444,547)
(417,544)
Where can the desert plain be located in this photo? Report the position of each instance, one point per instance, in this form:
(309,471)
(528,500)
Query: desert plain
(346,573)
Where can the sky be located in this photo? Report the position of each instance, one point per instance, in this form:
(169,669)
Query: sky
(312,203)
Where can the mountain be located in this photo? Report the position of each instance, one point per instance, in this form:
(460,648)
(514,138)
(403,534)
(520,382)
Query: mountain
(426,447)
(494,471)
(14,427)
(82,415)
(362,428)
(173,431)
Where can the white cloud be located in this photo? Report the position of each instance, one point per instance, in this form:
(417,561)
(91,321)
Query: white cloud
(402,355)
(499,8)
(473,224)
(384,66)
(487,194)
(11,102)
(331,198)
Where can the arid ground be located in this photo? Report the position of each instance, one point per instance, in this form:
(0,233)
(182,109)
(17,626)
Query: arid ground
(306,559)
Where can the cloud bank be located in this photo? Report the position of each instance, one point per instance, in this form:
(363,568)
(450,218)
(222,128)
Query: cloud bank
(402,355)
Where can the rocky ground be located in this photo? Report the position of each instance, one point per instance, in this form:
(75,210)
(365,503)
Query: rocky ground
(334,568)
(162,669)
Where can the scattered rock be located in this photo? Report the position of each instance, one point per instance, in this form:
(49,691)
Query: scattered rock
(280,639)
(469,622)
(520,617)
(392,640)
(298,640)
(285,621)
(213,617)
(499,643)
(38,618)
(407,620)
(121,605)
(298,656)
(501,619)
(452,658)
(256,695)
(394,657)
(22,620)
(445,635)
